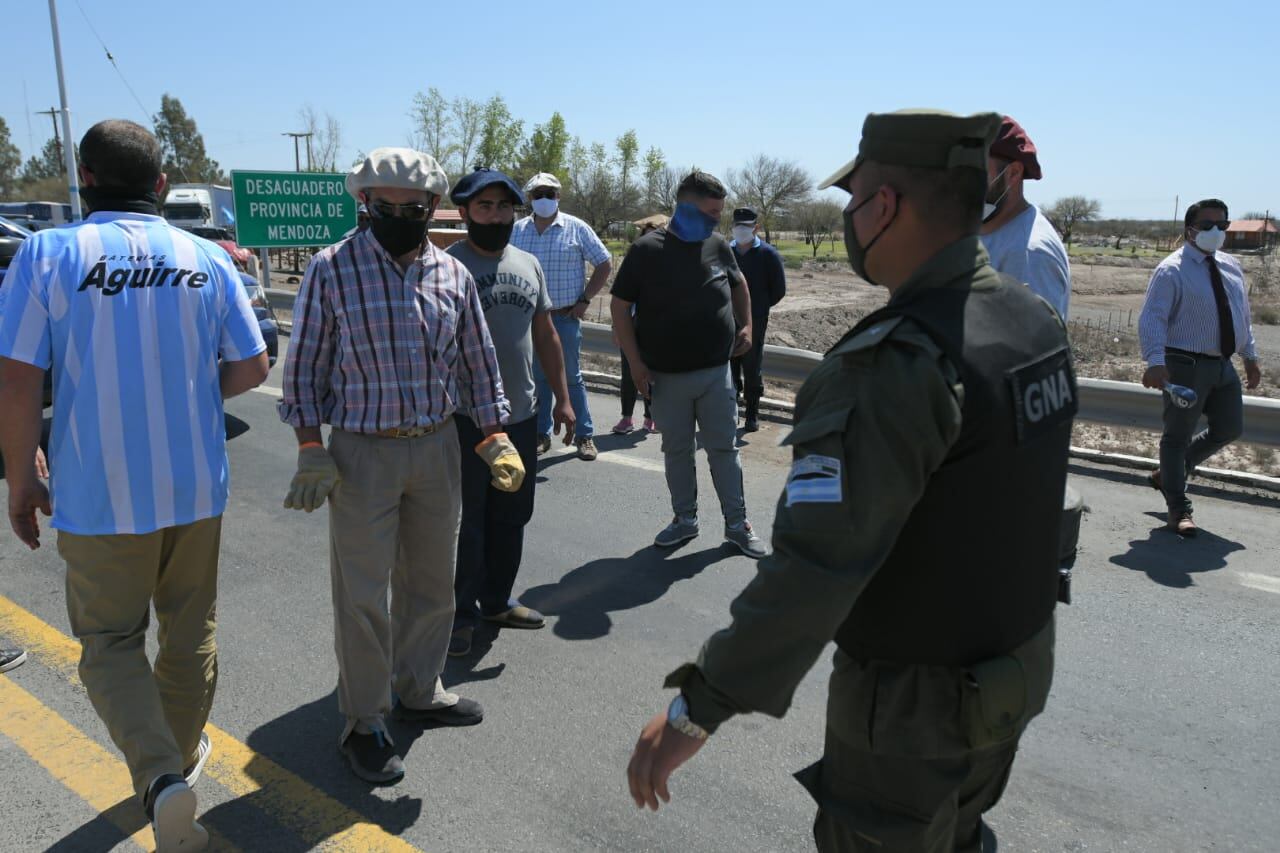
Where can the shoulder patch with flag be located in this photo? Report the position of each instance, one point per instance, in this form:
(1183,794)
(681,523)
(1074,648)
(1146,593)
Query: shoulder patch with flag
(814,479)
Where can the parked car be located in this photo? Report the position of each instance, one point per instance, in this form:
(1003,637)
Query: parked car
(11,236)
(266,315)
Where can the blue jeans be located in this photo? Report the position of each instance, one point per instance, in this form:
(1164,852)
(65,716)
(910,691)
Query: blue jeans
(570,331)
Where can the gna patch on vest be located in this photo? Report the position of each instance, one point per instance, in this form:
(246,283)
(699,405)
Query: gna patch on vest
(1044,395)
(112,281)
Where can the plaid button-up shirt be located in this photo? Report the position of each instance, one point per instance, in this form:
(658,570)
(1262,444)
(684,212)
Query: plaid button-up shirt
(372,348)
(564,250)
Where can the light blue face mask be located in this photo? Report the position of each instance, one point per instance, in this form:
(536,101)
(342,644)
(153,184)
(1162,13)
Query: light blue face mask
(690,224)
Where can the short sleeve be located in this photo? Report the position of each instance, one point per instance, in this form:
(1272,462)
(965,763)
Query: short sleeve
(592,246)
(544,295)
(629,281)
(241,337)
(24,310)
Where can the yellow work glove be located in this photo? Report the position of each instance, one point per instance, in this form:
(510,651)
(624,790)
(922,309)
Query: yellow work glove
(316,477)
(503,460)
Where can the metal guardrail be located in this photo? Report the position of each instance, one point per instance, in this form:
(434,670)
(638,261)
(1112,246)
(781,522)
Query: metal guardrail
(1124,404)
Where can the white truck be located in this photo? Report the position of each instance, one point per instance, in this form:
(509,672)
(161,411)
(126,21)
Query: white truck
(200,206)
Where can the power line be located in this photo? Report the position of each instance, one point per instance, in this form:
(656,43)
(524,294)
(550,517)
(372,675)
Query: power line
(112,60)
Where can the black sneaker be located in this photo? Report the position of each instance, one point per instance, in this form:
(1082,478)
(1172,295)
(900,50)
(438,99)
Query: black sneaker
(373,758)
(544,444)
(460,641)
(170,805)
(12,659)
(466,712)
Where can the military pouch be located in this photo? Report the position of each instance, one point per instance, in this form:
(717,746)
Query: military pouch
(995,700)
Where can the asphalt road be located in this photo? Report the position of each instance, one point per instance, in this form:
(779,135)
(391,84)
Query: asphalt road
(1161,733)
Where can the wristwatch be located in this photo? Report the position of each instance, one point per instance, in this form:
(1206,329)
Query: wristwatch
(678,719)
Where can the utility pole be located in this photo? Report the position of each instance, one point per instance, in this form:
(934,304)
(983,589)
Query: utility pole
(52,113)
(297,158)
(68,150)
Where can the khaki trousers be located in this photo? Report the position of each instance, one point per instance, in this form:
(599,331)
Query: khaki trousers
(155,716)
(393,522)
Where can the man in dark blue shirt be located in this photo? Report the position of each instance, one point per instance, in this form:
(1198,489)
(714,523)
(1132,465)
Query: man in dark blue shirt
(766,279)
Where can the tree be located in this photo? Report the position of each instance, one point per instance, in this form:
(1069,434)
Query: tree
(628,157)
(183,146)
(10,161)
(326,139)
(596,195)
(1069,212)
(500,136)
(654,164)
(433,125)
(47,164)
(545,150)
(771,186)
(818,220)
(666,184)
(468,118)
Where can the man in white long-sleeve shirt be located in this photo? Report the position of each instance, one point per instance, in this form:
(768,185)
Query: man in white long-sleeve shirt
(1195,318)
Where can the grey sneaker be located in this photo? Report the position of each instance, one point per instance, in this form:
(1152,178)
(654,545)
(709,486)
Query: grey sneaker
(746,540)
(192,773)
(12,659)
(587,450)
(544,444)
(679,530)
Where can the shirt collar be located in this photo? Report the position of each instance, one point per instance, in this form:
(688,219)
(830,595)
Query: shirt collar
(1190,251)
(109,215)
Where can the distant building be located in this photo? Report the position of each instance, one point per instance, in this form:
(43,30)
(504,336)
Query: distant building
(1251,234)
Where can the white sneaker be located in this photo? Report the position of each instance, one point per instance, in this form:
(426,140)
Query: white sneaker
(173,817)
(193,772)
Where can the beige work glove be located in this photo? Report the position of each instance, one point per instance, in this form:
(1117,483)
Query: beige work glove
(316,477)
(503,460)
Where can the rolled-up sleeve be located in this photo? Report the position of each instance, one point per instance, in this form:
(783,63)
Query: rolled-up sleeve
(478,374)
(308,366)
(593,247)
(241,336)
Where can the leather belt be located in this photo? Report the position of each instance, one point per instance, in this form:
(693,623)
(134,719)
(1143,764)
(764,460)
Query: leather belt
(1196,355)
(411,432)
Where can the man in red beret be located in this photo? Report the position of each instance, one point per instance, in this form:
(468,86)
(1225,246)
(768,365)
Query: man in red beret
(1020,239)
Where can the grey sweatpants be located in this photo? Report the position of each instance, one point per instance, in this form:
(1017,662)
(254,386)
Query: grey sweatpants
(703,401)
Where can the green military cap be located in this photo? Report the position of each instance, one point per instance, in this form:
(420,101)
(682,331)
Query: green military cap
(926,139)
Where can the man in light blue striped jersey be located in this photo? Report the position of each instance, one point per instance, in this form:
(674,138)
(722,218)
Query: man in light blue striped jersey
(146,330)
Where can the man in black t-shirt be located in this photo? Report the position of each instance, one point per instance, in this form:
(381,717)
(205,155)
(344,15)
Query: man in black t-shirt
(692,313)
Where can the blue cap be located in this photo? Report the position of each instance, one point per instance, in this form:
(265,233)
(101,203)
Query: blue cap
(479,179)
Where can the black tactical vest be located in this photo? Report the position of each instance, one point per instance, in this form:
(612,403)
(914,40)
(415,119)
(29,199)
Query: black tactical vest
(974,572)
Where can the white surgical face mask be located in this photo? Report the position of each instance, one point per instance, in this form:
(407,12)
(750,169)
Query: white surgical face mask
(545,207)
(744,234)
(989,208)
(1211,240)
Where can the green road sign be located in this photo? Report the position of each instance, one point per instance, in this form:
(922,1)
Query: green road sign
(289,209)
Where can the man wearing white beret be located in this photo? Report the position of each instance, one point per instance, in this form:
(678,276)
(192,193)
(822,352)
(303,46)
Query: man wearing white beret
(389,340)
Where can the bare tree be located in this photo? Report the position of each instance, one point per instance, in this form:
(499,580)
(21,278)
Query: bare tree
(596,193)
(1069,212)
(666,182)
(433,125)
(818,220)
(771,186)
(326,138)
(468,122)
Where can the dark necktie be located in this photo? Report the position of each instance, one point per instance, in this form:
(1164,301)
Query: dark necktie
(1226,327)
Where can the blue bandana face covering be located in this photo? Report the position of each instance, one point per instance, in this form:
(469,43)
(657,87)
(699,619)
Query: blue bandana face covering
(690,224)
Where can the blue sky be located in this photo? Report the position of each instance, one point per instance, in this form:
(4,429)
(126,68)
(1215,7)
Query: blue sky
(1130,103)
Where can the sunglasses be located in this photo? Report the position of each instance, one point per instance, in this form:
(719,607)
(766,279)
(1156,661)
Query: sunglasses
(412,211)
(542,194)
(1206,224)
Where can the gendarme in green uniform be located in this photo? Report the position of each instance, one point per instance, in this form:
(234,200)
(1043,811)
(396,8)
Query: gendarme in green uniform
(919,531)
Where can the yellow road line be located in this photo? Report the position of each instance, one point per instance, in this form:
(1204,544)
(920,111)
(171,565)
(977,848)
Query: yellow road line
(75,760)
(285,797)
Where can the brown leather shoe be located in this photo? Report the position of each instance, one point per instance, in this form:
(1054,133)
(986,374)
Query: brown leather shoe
(1155,481)
(1182,524)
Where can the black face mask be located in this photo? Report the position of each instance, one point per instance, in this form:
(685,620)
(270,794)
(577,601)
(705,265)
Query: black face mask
(492,236)
(123,200)
(398,235)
